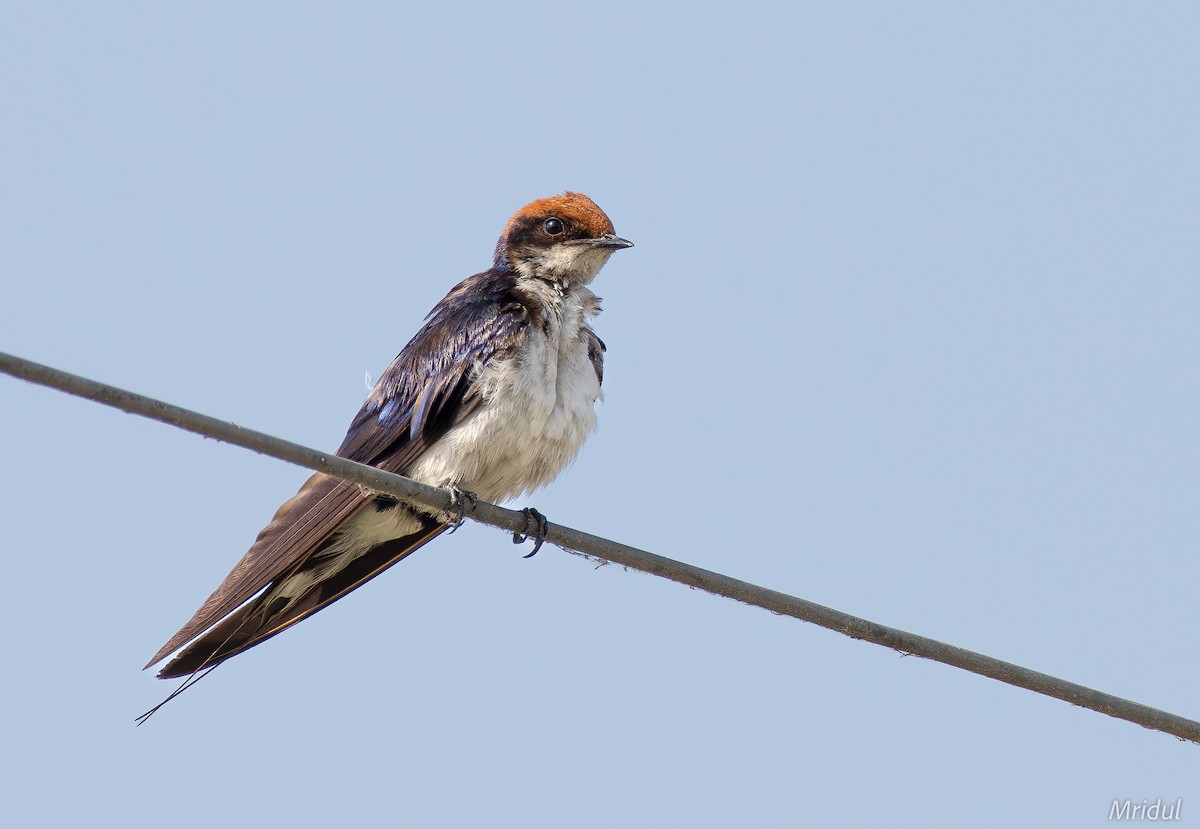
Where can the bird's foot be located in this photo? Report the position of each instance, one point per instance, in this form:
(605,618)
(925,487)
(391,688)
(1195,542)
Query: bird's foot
(459,499)
(539,527)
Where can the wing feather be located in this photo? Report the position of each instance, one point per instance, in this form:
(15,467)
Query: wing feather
(428,389)
(252,624)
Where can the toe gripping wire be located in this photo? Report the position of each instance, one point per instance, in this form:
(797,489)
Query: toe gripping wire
(539,527)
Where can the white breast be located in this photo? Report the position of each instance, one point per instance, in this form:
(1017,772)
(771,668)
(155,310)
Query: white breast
(538,408)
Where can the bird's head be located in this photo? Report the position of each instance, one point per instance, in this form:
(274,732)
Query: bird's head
(561,239)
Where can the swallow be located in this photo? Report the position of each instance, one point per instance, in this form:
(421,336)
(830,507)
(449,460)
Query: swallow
(494,396)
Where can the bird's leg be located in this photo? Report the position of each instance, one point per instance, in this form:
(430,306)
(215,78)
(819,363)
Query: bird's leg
(459,498)
(540,525)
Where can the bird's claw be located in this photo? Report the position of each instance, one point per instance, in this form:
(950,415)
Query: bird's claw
(459,498)
(540,525)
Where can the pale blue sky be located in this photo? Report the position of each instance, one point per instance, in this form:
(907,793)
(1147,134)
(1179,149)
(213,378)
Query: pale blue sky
(910,330)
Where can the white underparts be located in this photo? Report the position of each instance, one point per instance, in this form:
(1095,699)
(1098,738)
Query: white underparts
(538,408)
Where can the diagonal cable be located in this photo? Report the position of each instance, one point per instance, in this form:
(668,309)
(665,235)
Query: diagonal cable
(602,548)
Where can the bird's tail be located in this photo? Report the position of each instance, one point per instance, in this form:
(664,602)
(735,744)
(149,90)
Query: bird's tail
(267,614)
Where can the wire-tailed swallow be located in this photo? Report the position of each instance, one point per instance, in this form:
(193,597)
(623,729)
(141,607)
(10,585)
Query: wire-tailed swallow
(493,396)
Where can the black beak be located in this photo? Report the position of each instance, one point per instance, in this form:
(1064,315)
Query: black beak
(608,240)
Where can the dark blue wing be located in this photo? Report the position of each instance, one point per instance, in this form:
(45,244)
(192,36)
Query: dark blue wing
(426,390)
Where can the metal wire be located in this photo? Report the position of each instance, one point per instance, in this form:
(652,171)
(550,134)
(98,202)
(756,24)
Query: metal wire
(607,550)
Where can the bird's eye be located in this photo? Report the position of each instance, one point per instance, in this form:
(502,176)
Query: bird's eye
(553,226)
